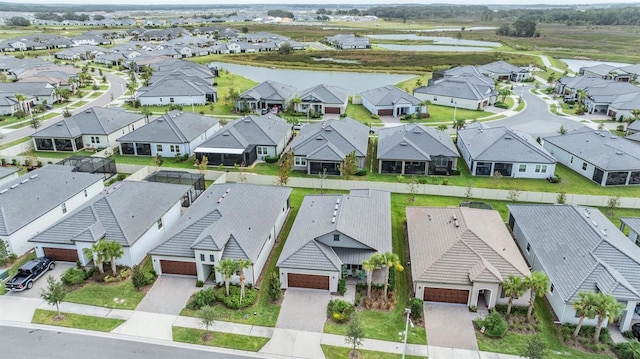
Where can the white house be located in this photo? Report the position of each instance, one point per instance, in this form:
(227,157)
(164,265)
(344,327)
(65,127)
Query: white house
(391,101)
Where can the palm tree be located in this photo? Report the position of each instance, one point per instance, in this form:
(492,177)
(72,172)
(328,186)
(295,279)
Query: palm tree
(112,251)
(96,251)
(582,94)
(21,101)
(227,267)
(538,282)
(585,308)
(389,260)
(514,287)
(607,306)
(147,113)
(425,104)
(374,262)
(242,265)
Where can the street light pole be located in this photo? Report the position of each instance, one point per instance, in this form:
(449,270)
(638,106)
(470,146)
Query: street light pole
(455,109)
(406,332)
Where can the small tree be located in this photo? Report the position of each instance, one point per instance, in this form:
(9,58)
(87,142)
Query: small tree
(585,307)
(4,252)
(374,262)
(273,289)
(562,130)
(537,282)
(468,192)
(207,316)
(202,164)
(158,160)
(35,122)
(513,195)
(349,165)
(286,164)
(606,306)
(412,186)
(54,293)
(612,204)
(137,277)
(112,251)
(355,334)
(442,127)
(389,259)
(97,252)
(66,113)
(242,265)
(535,348)
(227,267)
(513,287)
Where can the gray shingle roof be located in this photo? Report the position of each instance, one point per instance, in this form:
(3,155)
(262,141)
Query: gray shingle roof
(388,96)
(603,149)
(582,82)
(176,84)
(501,67)
(251,130)
(600,69)
(479,248)
(122,213)
(631,222)
(246,213)
(327,94)
(629,101)
(269,90)
(93,121)
(173,127)
(454,87)
(580,250)
(37,193)
(504,145)
(463,70)
(414,142)
(362,215)
(332,139)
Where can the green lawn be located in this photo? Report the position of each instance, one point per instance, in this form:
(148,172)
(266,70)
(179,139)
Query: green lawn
(361,114)
(60,155)
(413,83)
(16,142)
(76,321)
(223,340)
(120,295)
(438,113)
(331,352)
(14,269)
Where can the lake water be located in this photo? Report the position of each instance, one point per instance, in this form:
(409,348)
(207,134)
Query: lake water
(436,40)
(355,82)
(449,29)
(575,65)
(433,48)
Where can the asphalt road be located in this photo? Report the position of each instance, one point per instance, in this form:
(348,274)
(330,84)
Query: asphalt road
(117,87)
(18,343)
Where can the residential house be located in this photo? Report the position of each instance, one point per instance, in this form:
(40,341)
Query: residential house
(414,149)
(323,99)
(462,91)
(246,140)
(599,97)
(332,235)
(38,199)
(175,133)
(348,41)
(96,127)
(391,101)
(321,147)
(174,89)
(8,174)
(633,128)
(504,71)
(514,154)
(266,95)
(633,223)
(36,92)
(130,213)
(607,72)
(580,250)
(462,255)
(570,86)
(228,221)
(600,156)
(623,106)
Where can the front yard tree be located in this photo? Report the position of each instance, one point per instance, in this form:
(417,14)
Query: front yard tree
(374,262)
(273,289)
(535,348)
(227,267)
(537,282)
(607,306)
(504,92)
(355,334)
(54,293)
(585,307)
(96,251)
(349,165)
(112,251)
(242,265)
(514,287)
(207,315)
(389,260)
(286,165)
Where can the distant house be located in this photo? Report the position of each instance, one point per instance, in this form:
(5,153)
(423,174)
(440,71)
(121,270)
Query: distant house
(622,107)
(175,133)
(501,70)
(462,91)
(348,41)
(600,156)
(462,255)
(580,250)
(245,140)
(633,223)
(266,95)
(332,235)
(228,221)
(323,99)
(570,86)
(513,154)
(130,213)
(322,147)
(176,90)
(414,149)
(96,127)
(28,204)
(391,101)
(599,97)
(607,72)
(36,92)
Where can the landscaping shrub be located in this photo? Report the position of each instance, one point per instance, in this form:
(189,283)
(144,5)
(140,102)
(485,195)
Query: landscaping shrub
(273,288)
(339,310)
(628,334)
(626,350)
(358,298)
(121,176)
(342,286)
(271,159)
(233,300)
(494,325)
(199,284)
(73,276)
(361,172)
(501,105)
(455,172)
(138,277)
(202,298)
(515,310)
(416,308)
(392,279)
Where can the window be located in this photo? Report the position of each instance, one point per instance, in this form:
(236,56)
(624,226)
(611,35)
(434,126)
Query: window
(171,99)
(174,148)
(212,258)
(528,248)
(451,100)
(336,237)
(544,169)
(159,148)
(299,161)
(201,257)
(584,166)
(64,208)
(159,223)
(551,289)
(441,161)
(522,168)
(262,150)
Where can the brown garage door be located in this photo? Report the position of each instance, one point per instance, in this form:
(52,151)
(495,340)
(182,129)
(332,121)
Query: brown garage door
(446,295)
(176,267)
(332,110)
(385,112)
(308,281)
(62,255)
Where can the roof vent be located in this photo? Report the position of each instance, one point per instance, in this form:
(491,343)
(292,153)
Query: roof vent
(333,220)
(336,207)
(319,138)
(14,186)
(456,224)
(335,213)
(619,153)
(338,201)
(613,137)
(603,135)
(59,124)
(507,137)
(4,191)
(247,120)
(403,143)
(225,133)
(24,180)
(34,176)
(604,231)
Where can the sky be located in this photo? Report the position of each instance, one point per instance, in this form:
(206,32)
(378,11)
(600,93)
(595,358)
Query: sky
(356,2)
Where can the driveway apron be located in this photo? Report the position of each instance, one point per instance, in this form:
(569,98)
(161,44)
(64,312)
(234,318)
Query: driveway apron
(169,294)
(449,326)
(41,283)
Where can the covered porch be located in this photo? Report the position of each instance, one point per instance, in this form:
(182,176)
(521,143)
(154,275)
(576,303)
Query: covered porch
(58,144)
(490,168)
(324,167)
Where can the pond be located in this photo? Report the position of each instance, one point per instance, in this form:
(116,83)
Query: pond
(433,48)
(450,29)
(575,65)
(354,82)
(437,40)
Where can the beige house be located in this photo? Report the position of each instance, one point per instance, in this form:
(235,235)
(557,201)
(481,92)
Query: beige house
(462,255)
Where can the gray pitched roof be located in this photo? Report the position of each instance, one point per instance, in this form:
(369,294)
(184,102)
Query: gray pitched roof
(459,245)
(580,250)
(503,144)
(173,127)
(414,142)
(30,196)
(175,84)
(362,215)
(388,96)
(609,92)
(582,82)
(122,213)
(93,121)
(629,101)
(27,88)
(457,89)
(251,130)
(600,69)
(463,70)
(501,67)
(269,90)
(603,149)
(243,212)
(326,94)
(632,222)
(335,138)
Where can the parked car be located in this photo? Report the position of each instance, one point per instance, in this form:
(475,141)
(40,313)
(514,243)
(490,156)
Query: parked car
(298,126)
(29,273)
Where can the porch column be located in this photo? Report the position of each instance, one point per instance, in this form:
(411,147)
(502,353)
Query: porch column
(627,316)
(53,142)
(603,181)
(402,172)
(379,166)
(473,168)
(493,168)
(628,178)
(135,149)
(454,163)
(426,168)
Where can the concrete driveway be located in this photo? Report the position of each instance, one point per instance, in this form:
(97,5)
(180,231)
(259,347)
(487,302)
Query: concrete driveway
(449,326)
(41,283)
(168,295)
(304,309)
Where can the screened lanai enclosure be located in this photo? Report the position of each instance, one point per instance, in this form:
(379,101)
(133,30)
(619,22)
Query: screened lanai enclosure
(88,164)
(195,180)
